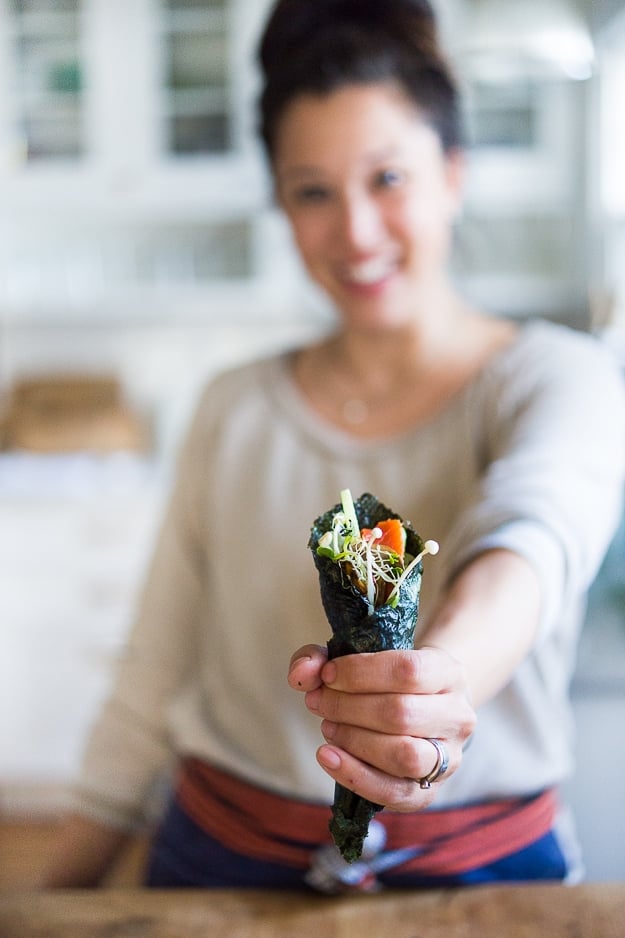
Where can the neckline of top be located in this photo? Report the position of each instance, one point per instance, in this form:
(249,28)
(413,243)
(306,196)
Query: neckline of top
(291,401)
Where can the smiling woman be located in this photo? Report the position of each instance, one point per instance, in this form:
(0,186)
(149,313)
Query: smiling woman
(467,424)
(365,143)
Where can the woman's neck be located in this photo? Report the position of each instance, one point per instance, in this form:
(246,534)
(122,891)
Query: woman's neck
(378,382)
(377,358)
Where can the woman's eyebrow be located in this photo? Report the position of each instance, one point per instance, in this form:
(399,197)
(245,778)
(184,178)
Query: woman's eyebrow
(299,171)
(306,170)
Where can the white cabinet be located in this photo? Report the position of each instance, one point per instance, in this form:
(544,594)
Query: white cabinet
(609,125)
(132,184)
(128,162)
(521,246)
(523,243)
(44,112)
(608,194)
(125,84)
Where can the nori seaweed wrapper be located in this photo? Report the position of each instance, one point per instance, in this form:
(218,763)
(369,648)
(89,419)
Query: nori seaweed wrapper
(359,627)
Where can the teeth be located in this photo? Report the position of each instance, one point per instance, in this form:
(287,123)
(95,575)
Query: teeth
(371,271)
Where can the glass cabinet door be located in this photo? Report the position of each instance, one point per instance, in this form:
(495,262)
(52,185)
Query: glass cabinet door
(504,114)
(47,78)
(195,77)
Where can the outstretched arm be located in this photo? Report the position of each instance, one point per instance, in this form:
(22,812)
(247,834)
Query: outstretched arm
(488,620)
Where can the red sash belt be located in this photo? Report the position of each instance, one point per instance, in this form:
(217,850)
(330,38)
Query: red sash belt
(270,827)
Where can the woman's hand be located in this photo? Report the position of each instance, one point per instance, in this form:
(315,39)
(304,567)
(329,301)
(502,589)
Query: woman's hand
(378,713)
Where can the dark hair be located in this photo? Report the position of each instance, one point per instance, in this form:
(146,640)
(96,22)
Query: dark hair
(318,46)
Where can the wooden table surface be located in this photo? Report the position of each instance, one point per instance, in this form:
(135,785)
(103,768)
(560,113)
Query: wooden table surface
(545,911)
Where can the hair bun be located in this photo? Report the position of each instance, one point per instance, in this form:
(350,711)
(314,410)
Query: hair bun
(319,46)
(292,23)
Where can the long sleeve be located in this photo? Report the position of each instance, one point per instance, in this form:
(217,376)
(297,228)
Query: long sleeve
(129,749)
(553,486)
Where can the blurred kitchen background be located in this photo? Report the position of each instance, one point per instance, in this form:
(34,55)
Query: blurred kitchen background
(140,252)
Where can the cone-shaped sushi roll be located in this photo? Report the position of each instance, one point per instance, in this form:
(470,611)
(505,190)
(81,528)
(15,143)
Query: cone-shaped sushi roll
(369,565)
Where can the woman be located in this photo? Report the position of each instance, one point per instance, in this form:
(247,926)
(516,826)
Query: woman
(480,431)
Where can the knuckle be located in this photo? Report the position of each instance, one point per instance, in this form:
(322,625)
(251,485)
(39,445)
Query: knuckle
(405,796)
(399,714)
(407,757)
(468,720)
(408,670)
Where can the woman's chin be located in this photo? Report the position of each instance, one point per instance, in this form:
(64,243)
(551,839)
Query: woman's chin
(374,320)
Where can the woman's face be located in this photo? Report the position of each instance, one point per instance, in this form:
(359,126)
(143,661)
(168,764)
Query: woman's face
(371,197)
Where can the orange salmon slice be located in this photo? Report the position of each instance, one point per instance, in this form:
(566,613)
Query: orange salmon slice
(393,535)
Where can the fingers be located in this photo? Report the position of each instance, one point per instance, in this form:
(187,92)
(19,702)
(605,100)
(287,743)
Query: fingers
(305,667)
(385,770)
(441,715)
(395,793)
(379,713)
(404,757)
(424,671)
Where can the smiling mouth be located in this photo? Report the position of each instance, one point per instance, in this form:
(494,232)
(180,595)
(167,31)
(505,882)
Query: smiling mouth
(371,272)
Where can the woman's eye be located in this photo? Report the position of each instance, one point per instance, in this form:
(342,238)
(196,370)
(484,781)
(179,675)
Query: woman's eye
(310,195)
(387,178)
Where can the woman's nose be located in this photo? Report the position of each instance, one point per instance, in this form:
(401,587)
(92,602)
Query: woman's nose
(359,222)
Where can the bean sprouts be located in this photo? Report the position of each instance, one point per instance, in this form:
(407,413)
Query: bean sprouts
(377,570)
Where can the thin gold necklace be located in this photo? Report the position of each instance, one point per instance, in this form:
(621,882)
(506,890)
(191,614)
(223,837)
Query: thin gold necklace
(356,409)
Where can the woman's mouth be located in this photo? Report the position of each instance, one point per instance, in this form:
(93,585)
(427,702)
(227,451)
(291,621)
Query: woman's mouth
(371,272)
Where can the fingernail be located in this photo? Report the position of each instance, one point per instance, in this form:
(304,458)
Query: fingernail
(329,758)
(294,664)
(329,673)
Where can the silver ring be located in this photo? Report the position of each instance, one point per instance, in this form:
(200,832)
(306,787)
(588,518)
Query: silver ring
(442,764)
